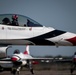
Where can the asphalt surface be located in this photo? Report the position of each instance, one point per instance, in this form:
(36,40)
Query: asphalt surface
(46,69)
(42,72)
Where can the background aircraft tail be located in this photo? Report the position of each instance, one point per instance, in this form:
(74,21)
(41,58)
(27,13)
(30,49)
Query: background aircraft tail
(27,50)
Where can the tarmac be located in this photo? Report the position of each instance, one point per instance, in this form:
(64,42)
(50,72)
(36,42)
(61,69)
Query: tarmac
(46,69)
(42,72)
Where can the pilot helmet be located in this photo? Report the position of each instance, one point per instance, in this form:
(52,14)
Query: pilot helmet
(15,17)
(16,51)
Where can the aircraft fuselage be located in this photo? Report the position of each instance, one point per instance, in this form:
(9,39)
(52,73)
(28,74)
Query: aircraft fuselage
(14,35)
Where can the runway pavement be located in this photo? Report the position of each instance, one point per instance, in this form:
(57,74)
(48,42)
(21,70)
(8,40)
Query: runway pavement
(42,72)
(46,69)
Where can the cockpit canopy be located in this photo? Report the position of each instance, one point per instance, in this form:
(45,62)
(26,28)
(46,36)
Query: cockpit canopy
(6,19)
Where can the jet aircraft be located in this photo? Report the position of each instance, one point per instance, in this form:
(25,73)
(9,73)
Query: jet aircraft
(17,29)
(18,60)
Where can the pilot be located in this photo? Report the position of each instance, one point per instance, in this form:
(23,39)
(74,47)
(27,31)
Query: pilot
(15,20)
(16,51)
(6,21)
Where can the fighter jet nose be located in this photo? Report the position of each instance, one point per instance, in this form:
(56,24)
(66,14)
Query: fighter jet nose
(14,59)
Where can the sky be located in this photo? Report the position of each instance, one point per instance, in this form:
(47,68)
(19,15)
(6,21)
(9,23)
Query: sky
(60,14)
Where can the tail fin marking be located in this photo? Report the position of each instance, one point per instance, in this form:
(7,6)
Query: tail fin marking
(27,50)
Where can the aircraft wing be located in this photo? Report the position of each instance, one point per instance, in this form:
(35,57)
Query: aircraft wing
(5,60)
(52,60)
(28,57)
(39,58)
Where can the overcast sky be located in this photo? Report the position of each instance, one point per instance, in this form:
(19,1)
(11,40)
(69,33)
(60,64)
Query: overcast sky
(60,14)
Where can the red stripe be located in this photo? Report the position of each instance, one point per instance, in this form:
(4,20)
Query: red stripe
(72,40)
(25,52)
(14,59)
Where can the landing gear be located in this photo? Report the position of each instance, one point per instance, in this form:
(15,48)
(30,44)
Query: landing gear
(30,66)
(1,69)
(73,66)
(31,70)
(16,71)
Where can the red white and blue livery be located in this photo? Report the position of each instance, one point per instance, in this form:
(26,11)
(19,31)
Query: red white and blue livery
(17,29)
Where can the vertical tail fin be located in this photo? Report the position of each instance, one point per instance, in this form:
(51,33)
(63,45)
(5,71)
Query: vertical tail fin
(27,50)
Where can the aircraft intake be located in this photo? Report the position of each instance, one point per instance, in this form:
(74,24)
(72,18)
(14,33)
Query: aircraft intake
(14,59)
